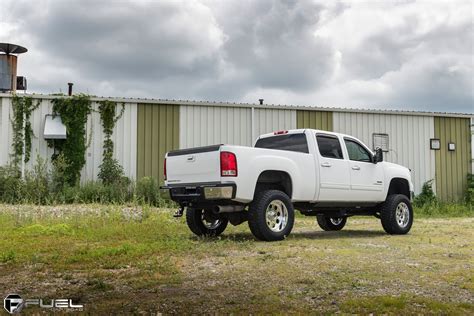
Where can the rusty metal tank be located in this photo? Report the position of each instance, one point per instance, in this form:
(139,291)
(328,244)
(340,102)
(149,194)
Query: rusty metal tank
(8,65)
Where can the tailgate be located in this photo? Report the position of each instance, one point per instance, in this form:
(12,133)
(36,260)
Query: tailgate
(200,164)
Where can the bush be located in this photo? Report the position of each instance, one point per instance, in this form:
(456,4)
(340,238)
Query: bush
(147,191)
(10,184)
(36,185)
(111,171)
(58,174)
(469,195)
(427,196)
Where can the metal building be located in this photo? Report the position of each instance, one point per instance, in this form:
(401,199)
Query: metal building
(150,128)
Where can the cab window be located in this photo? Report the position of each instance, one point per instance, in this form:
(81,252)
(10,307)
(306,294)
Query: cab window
(329,146)
(357,152)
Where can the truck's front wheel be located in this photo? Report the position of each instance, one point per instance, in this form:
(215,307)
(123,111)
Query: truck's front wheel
(397,214)
(205,223)
(271,215)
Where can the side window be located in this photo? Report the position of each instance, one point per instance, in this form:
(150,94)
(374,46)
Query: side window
(357,152)
(329,146)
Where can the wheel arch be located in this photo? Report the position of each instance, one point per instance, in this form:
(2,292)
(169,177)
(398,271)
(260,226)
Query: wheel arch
(399,186)
(274,179)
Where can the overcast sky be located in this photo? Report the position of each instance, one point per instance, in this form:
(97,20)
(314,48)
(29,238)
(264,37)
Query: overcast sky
(414,55)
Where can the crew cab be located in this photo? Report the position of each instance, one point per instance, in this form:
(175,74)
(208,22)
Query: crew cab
(328,175)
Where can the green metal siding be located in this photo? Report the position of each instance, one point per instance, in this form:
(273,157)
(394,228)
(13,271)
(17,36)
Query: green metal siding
(452,167)
(157,133)
(314,119)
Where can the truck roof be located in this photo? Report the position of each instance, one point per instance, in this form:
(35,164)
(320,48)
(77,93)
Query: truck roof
(300,130)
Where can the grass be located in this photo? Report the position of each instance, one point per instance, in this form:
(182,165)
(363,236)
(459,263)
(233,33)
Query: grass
(445,210)
(119,259)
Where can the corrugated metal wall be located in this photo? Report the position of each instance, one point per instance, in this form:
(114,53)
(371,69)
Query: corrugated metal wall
(315,119)
(38,144)
(452,167)
(158,132)
(271,120)
(5,130)
(208,125)
(124,138)
(409,139)
(472,145)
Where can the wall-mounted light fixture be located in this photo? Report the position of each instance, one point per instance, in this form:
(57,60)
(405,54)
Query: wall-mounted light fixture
(451,146)
(435,144)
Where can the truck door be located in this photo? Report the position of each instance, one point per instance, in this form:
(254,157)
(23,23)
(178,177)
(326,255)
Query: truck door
(333,169)
(366,176)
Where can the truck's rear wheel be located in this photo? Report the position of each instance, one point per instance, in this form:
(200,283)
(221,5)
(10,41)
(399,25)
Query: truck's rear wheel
(331,223)
(205,223)
(271,215)
(397,214)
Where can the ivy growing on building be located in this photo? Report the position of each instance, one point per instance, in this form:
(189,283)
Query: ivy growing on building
(110,170)
(73,112)
(22,132)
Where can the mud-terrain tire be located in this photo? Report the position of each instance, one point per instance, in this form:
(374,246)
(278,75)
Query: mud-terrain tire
(271,215)
(203,224)
(331,223)
(396,214)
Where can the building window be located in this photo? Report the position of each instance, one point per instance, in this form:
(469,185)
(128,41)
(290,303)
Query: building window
(451,147)
(435,144)
(380,141)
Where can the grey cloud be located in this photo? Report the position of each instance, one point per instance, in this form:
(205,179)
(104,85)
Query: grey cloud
(230,50)
(129,41)
(440,84)
(274,43)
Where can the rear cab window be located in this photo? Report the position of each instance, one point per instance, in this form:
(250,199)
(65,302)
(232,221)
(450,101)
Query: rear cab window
(288,142)
(329,146)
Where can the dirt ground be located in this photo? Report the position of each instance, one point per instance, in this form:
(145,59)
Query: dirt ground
(122,260)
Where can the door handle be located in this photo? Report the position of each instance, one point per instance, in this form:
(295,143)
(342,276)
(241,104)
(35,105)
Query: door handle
(325,164)
(355,168)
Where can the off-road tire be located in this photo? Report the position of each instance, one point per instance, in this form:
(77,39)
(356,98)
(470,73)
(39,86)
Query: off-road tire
(325,223)
(388,214)
(195,224)
(257,215)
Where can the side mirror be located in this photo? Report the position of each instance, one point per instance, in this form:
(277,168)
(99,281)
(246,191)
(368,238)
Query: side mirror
(378,156)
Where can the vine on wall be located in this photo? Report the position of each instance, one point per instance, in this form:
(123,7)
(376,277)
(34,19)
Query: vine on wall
(110,170)
(21,125)
(73,111)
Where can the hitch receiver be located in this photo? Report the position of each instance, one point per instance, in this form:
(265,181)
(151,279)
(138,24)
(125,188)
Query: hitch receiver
(179,212)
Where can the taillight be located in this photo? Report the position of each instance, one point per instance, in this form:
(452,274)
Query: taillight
(164,168)
(280,132)
(228,164)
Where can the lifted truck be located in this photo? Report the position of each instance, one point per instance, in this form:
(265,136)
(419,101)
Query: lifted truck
(328,175)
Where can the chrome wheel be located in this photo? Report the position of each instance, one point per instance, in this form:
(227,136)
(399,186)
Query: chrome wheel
(276,216)
(336,220)
(213,224)
(402,214)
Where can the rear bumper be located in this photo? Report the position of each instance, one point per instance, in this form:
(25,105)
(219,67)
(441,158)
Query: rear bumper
(199,192)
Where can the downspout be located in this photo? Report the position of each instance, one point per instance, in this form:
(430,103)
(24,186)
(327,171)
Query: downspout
(252,123)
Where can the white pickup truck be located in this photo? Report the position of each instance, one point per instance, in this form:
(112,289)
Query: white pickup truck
(328,175)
